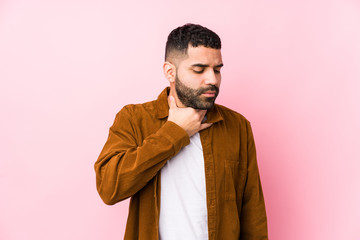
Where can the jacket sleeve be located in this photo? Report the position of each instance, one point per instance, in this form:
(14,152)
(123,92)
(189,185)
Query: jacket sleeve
(124,166)
(253,214)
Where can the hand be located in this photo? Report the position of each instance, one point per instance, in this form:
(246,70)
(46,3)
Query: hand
(188,118)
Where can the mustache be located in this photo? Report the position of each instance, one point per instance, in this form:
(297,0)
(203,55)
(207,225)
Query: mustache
(209,88)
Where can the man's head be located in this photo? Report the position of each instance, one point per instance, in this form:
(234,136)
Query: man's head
(192,66)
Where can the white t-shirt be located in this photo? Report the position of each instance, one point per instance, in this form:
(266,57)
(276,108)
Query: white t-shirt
(183,209)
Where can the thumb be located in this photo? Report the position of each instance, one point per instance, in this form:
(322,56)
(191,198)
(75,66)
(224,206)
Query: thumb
(204,126)
(172,103)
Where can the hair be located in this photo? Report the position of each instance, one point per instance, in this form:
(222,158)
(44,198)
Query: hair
(193,34)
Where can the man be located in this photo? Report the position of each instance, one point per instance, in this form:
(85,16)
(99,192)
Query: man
(188,164)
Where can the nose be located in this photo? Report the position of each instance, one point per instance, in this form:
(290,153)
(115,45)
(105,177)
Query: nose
(212,78)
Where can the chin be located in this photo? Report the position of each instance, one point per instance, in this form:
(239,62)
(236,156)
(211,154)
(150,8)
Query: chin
(205,106)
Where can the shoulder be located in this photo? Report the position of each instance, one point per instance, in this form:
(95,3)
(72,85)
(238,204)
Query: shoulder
(235,122)
(138,109)
(231,115)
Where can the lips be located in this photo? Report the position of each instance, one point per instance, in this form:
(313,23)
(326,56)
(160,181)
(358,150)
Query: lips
(210,93)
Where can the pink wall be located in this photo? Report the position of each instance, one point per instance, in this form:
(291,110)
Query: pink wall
(66,68)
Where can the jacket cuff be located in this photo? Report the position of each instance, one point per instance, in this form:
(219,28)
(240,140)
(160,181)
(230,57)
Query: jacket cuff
(175,134)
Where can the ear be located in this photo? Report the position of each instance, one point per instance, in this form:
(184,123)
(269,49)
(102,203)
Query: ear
(169,71)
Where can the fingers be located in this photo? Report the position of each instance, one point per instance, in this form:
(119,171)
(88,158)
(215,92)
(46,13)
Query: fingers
(172,103)
(204,126)
(202,113)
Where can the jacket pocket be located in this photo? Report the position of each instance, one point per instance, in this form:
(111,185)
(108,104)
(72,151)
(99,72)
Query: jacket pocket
(230,170)
(234,180)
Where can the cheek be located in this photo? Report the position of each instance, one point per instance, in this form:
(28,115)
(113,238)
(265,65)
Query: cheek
(218,80)
(191,80)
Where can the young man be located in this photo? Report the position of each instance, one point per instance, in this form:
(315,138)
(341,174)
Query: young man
(188,164)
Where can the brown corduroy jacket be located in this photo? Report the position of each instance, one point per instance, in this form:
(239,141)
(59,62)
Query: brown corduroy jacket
(140,142)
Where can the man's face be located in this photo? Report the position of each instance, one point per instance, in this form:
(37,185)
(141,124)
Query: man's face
(198,77)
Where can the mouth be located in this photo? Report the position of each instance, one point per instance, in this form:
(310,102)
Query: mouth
(209,94)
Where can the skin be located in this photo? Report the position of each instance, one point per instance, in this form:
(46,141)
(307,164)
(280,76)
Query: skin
(198,71)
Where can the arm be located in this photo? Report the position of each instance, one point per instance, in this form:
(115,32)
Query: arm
(253,215)
(124,167)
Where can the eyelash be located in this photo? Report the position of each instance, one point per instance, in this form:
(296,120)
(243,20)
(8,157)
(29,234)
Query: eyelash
(215,71)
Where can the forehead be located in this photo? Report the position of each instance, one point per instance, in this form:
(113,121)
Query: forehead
(203,55)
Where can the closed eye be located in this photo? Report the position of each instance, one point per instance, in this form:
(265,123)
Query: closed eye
(217,70)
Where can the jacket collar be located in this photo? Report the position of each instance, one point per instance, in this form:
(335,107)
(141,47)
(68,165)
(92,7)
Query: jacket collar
(162,108)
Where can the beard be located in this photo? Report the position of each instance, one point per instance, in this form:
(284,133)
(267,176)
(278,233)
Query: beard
(192,97)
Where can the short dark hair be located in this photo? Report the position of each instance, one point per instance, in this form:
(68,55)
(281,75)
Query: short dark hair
(193,34)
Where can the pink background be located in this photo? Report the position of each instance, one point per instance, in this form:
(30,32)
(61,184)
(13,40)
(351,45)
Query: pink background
(67,67)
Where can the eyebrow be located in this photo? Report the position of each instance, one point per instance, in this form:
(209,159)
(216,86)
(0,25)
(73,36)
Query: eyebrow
(205,65)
